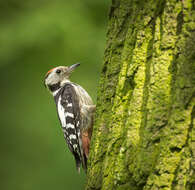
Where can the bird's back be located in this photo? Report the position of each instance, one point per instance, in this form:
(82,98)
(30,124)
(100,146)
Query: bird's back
(84,98)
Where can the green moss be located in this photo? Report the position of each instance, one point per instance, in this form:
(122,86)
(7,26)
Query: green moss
(144,131)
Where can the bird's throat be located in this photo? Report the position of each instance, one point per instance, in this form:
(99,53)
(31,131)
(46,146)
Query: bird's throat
(54,87)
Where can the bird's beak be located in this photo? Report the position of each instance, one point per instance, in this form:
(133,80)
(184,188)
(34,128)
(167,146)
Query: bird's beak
(72,67)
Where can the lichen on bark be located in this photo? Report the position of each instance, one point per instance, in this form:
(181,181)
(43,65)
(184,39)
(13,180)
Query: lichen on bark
(144,133)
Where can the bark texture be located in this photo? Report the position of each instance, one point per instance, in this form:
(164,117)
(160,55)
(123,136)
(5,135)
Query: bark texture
(144,133)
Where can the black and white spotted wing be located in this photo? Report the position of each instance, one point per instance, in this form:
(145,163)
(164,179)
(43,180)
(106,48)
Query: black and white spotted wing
(69,115)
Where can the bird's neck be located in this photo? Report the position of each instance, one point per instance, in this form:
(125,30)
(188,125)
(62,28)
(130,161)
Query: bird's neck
(64,82)
(55,88)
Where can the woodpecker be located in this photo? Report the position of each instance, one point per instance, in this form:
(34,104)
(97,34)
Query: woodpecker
(75,110)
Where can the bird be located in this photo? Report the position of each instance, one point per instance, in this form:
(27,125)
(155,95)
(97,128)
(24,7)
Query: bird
(75,110)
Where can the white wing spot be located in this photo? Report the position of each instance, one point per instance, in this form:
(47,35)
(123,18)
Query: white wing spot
(69,125)
(75,146)
(69,105)
(67,114)
(72,136)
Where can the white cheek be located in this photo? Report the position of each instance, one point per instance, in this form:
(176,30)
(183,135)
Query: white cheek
(52,79)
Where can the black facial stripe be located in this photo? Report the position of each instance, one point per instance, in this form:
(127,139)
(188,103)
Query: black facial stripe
(54,87)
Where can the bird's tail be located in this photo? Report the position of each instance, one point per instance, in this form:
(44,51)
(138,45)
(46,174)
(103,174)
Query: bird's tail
(80,161)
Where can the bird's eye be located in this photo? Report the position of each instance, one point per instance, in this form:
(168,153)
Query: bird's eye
(58,71)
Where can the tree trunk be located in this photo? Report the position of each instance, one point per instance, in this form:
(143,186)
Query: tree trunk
(144,133)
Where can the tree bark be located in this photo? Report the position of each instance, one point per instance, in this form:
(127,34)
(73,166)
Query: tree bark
(144,133)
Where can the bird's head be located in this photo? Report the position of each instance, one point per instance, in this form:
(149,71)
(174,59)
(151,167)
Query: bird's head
(58,76)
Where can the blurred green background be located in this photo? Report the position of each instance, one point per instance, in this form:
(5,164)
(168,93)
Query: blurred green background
(36,36)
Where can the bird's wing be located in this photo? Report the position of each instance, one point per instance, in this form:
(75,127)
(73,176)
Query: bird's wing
(72,124)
